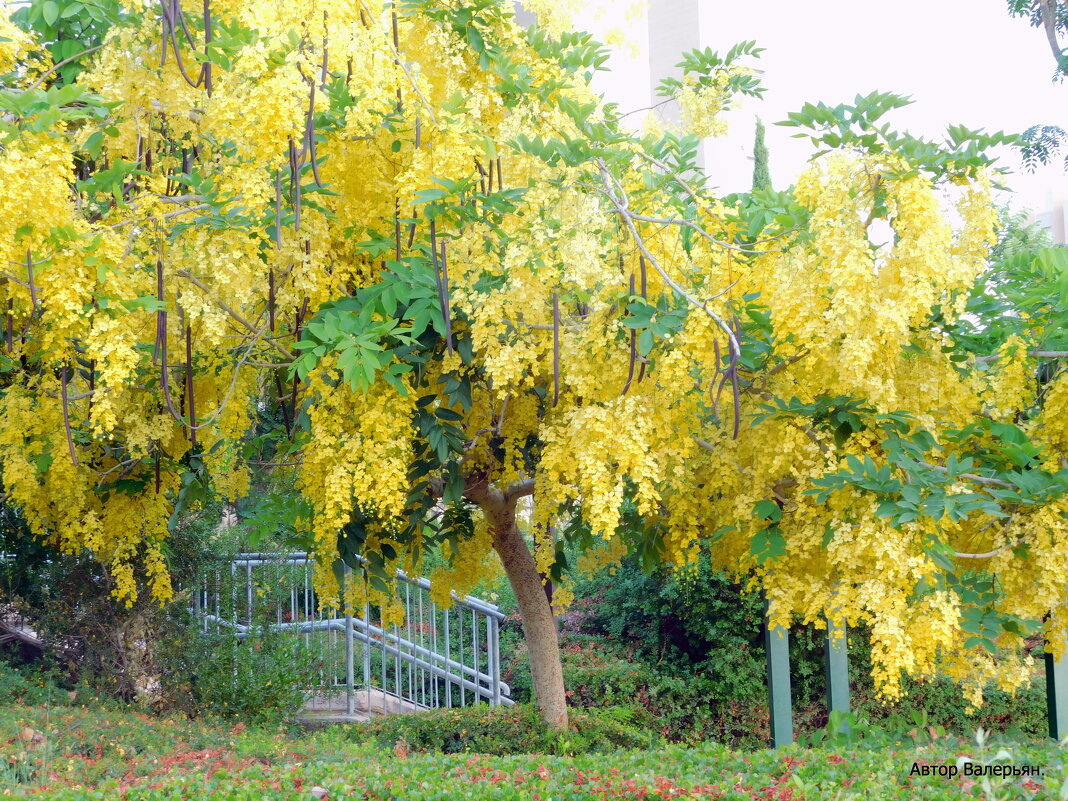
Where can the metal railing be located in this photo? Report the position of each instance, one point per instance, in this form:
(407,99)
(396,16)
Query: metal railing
(437,657)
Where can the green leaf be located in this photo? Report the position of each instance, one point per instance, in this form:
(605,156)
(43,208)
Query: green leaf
(940,553)
(767,510)
(50,12)
(94,144)
(768,545)
(147,303)
(645,342)
(43,462)
(981,642)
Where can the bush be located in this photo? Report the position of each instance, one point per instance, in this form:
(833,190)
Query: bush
(483,729)
(89,636)
(28,686)
(261,679)
(697,622)
(939,702)
(596,673)
(685,652)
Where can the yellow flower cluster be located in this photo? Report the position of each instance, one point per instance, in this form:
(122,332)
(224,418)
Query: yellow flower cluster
(13,41)
(1008,385)
(468,564)
(703,104)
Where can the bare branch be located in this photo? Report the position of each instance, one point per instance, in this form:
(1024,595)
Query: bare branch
(989,554)
(620,204)
(289,357)
(1034,354)
(66,415)
(556,349)
(994,482)
(62,64)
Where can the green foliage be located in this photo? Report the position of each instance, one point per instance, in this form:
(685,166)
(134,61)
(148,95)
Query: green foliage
(683,653)
(483,729)
(23,685)
(1040,144)
(260,679)
(962,151)
(1027,271)
(148,759)
(660,321)
(704,64)
(40,110)
(597,674)
(937,704)
(69,27)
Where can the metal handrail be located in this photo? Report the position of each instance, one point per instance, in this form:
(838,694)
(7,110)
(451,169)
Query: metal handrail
(302,557)
(419,653)
(338,625)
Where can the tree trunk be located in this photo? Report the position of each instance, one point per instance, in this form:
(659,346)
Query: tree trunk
(539,626)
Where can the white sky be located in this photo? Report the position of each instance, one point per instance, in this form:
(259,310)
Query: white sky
(962,61)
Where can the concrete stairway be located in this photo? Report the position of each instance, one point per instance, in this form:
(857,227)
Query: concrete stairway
(321,710)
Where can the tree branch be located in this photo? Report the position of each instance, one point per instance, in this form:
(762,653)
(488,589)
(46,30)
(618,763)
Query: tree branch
(1049,23)
(237,317)
(994,482)
(62,64)
(619,201)
(518,490)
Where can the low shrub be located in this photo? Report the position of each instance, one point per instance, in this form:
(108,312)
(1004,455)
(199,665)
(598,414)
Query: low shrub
(596,673)
(483,729)
(697,622)
(258,680)
(939,703)
(88,755)
(28,685)
(599,674)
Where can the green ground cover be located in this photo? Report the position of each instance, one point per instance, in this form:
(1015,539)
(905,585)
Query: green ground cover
(72,751)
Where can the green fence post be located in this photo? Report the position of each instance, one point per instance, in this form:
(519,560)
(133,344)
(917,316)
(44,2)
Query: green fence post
(1057,695)
(777,650)
(836,669)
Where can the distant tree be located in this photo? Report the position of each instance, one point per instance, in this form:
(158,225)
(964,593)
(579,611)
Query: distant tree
(1043,142)
(1052,17)
(761,172)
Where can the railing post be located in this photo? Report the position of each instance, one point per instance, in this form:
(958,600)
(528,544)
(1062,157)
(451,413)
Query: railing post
(777,649)
(494,659)
(836,669)
(474,654)
(448,661)
(350,672)
(366,647)
(1057,693)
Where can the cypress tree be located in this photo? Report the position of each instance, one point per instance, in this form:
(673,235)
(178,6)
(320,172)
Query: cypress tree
(761,173)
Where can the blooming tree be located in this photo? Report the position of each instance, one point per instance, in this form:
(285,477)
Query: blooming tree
(414,230)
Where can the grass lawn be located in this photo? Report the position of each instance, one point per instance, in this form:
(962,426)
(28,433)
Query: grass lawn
(68,752)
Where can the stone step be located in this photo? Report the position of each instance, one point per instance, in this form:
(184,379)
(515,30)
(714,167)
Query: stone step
(325,709)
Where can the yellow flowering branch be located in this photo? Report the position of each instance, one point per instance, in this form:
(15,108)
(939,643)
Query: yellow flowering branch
(289,357)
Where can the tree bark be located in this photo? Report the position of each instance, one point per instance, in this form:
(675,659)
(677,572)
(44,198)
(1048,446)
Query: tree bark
(539,625)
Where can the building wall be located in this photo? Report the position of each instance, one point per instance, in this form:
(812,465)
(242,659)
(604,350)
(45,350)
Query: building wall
(674,27)
(1055,220)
